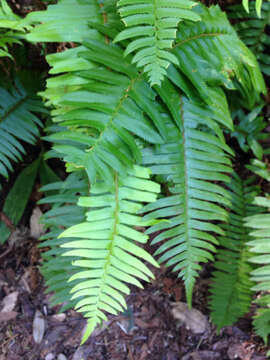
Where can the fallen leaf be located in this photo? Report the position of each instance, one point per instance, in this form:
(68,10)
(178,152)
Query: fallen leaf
(193,319)
(7,315)
(9,302)
(36,229)
(38,327)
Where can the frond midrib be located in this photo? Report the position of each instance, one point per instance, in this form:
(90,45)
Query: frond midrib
(115,113)
(111,246)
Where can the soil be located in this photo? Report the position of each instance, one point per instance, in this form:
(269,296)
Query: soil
(31,330)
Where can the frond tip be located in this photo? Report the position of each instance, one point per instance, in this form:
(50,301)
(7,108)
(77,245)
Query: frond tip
(153,24)
(107,246)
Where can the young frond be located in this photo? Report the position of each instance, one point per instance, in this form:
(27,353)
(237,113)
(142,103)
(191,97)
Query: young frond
(18,122)
(260,250)
(231,286)
(64,213)
(152,27)
(106,248)
(252,31)
(192,160)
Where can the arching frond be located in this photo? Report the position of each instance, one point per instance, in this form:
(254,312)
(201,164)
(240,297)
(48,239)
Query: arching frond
(152,26)
(102,110)
(106,247)
(191,160)
(252,30)
(210,54)
(260,249)
(64,213)
(18,123)
(231,286)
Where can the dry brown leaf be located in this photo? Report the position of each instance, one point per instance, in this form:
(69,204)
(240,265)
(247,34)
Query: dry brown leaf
(193,319)
(8,315)
(9,302)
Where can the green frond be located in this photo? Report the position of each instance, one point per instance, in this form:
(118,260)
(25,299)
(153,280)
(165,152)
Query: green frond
(65,21)
(101,110)
(258,4)
(260,249)
(18,123)
(11,29)
(193,160)
(211,55)
(62,197)
(231,287)
(253,31)
(249,130)
(152,26)
(106,247)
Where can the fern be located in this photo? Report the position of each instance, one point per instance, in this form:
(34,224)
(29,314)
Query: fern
(231,286)
(103,111)
(153,24)
(253,32)
(64,212)
(106,248)
(11,29)
(260,249)
(191,161)
(18,123)
(258,6)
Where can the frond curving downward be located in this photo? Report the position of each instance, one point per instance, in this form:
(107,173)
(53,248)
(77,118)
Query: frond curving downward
(192,160)
(106,247)
(231,286)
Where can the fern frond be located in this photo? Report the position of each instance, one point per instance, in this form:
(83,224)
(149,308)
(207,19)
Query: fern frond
(258,4)
(260,249)
(18,122)
(231,286)
(65,21)
(152,26)
(104,112)
(64,213)
(253,33)
(11,29)
(211,55)
(107,248)
(190,160)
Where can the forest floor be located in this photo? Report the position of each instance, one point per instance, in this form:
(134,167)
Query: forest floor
(157,325)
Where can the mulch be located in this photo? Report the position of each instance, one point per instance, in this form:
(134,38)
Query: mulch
(147,330)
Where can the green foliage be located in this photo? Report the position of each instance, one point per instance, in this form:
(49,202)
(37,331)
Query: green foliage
(260,248)
(252,30)
(18,122)
(249,131)
(64,212)
(152,24)
(191,160)
(231,286)
(106,247)
(11,29)
(146,87)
